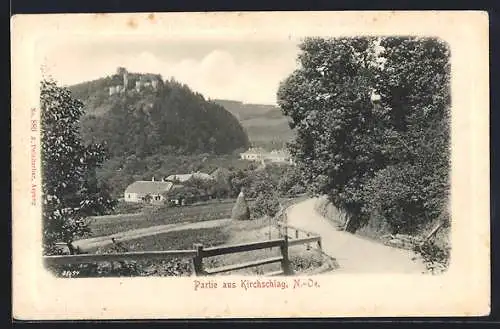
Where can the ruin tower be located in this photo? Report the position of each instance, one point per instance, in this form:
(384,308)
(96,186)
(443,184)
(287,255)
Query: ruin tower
(122,72)
(154,83)
(138,85)
(125,80)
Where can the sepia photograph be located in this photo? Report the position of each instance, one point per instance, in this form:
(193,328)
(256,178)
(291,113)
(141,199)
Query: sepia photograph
(180,152)
(246,162)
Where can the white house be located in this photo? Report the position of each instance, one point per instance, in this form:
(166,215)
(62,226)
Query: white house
(253,154)
(137,191)
(260,155)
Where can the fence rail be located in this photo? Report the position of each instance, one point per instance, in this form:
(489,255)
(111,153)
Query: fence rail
(240,266)
(127,256)
(231,249)
(199,253)
(294,242)
(294,239)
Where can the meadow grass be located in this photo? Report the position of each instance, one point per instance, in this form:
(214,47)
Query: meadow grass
(102,226)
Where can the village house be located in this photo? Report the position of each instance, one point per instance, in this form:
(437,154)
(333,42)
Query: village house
(183,193)
(262,156)
(156,192)
(253,154)
(182,178)
(147,191)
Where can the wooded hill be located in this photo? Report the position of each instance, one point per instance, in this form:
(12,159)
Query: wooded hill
(265,124)
(164,120)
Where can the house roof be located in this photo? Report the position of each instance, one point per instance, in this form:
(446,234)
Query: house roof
(149,187)
(185,177)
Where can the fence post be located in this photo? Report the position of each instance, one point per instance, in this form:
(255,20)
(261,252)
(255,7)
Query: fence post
(198,259)
(296,234)
(308,245)
(285,263)
(320,248)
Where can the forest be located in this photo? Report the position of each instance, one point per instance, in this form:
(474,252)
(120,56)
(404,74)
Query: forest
(170,120)
(372,117)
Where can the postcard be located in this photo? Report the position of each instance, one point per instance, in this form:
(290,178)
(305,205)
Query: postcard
(250,165)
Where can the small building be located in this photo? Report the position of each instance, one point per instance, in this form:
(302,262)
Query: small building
(147,191)
(262,156)
(279,156)
(182,178)
(253,154)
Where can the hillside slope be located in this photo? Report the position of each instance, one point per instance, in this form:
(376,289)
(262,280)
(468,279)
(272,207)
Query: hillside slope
(265,125)
(151,116)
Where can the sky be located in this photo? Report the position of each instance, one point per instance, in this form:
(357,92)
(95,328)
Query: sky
(244,70)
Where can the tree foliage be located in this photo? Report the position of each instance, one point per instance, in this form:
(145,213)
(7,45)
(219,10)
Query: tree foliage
(387,157)
(69,186)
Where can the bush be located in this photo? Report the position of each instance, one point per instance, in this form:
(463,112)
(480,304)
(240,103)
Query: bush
(396,195)
(435,257)
(266,204)
(127,207)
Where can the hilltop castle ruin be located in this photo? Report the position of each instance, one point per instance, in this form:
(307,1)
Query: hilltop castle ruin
(147,81)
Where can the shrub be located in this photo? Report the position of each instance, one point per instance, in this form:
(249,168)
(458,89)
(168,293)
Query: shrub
(266,204)
(127,208)
(395,194)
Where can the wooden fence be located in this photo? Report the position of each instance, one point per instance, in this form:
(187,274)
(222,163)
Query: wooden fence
(126,256)
(296,236)
(288,236)
(199,254)
(203,253)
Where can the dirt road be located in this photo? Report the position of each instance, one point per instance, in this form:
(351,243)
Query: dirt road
(102,241)
(354,254)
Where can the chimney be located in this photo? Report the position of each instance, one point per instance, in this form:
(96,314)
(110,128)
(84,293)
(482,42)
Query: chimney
(153,179)
(163,179)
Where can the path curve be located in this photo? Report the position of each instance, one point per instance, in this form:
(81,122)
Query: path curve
(103,241)
(354,254)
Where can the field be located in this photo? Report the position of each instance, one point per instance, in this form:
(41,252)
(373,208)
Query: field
(152,216)
(233,233)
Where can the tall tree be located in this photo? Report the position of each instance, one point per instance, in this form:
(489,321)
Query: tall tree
(414,85)
(70,190)
(388,157)
(328,101)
